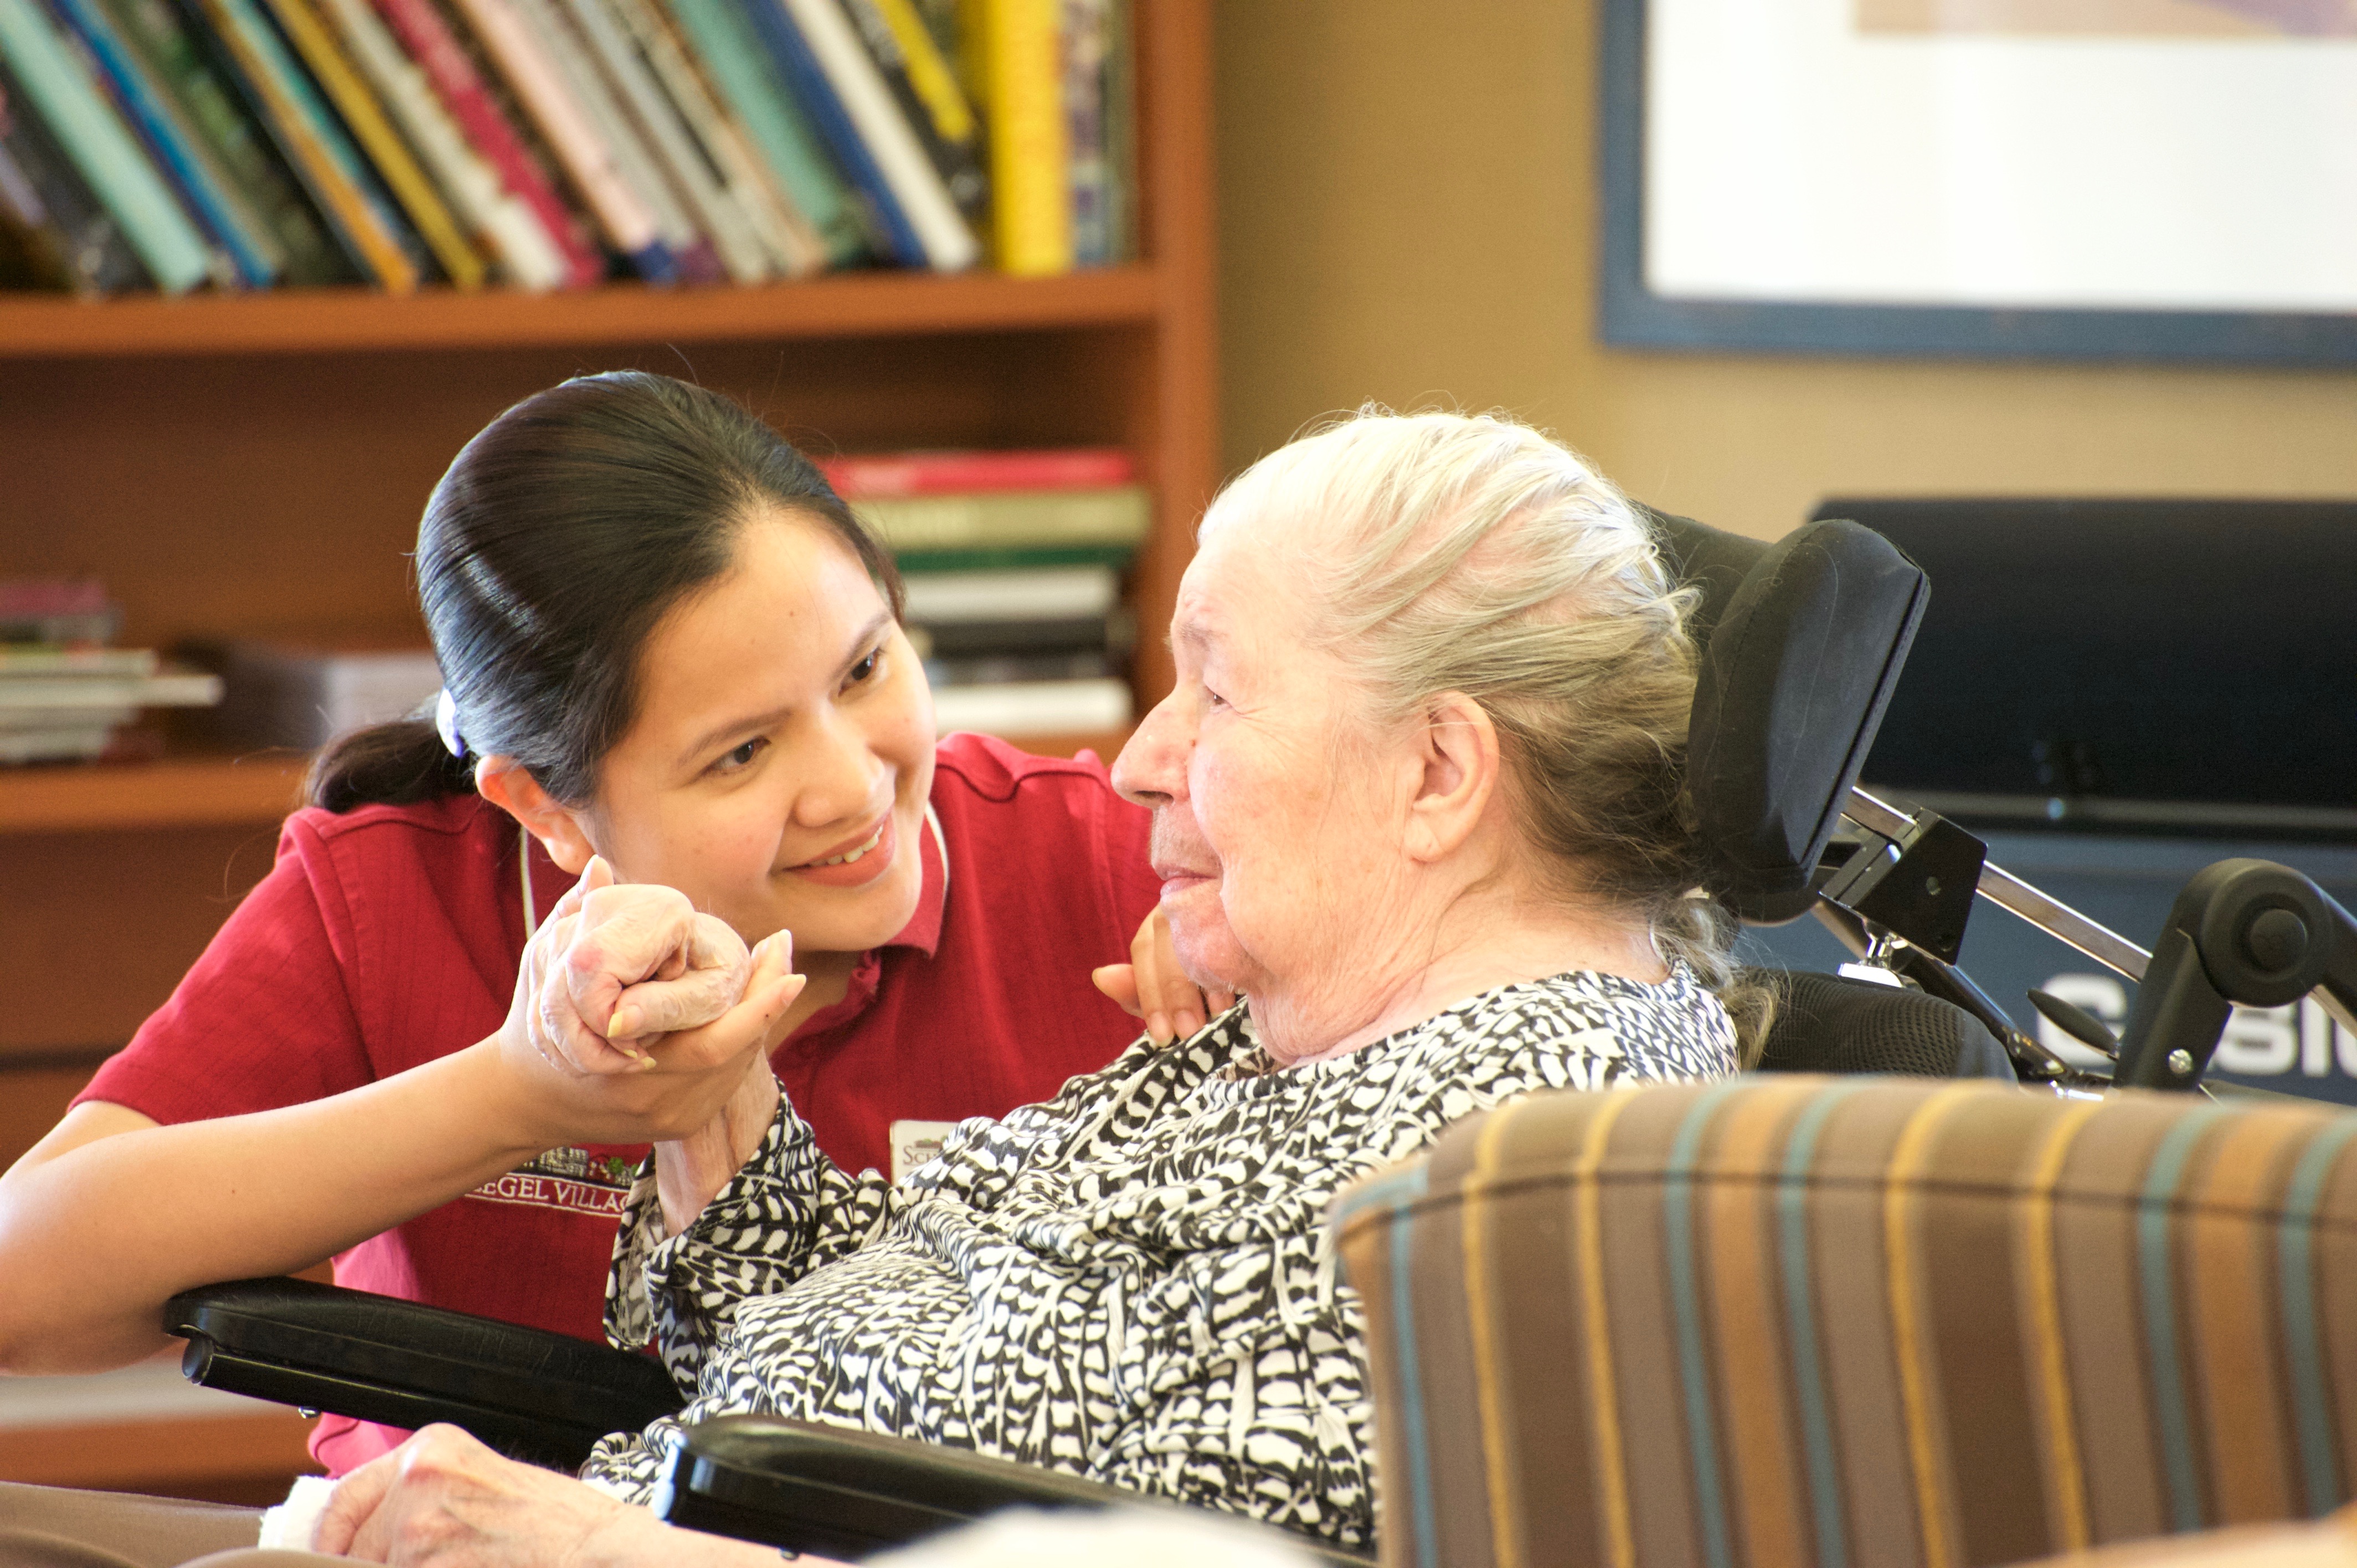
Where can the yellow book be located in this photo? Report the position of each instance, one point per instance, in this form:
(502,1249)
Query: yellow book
(277,80)
(928,74)
(1022,73)
(380,141)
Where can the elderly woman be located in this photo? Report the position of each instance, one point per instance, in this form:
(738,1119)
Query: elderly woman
(1418,796)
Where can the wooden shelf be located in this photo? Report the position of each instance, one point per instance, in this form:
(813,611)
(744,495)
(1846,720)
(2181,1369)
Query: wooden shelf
(163,1457)
(229,792)
(177,792)
(317,321)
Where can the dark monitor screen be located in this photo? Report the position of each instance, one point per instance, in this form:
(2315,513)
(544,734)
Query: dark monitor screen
(2130,661)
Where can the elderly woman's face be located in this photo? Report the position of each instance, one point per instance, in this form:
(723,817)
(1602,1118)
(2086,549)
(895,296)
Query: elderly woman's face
(1264,843)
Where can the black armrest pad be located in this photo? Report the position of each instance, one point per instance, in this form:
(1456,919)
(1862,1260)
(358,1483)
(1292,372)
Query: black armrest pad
(540,1395)
(844,1493)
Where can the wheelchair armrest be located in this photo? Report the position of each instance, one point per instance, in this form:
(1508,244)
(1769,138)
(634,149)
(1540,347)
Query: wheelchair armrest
(844,1493)
(536,1395)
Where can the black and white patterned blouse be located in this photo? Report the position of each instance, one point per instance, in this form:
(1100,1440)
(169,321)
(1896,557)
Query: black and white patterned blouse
(1129,1281)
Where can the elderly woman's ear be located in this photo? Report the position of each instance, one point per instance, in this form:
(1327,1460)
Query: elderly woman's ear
(1457,755)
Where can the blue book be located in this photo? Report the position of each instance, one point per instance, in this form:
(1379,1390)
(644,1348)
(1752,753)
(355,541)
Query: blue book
(815,95)
(174,146)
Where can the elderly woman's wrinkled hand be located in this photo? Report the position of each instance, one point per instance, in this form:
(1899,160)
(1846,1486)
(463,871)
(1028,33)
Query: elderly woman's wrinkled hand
(443,1500)
(635,1018)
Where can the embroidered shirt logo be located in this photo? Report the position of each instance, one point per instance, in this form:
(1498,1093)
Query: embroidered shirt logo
(574,1180)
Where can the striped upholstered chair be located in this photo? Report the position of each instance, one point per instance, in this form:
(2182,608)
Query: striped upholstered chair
(1863,1323)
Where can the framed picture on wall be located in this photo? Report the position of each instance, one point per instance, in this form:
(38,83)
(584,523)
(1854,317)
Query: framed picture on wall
(2146,178)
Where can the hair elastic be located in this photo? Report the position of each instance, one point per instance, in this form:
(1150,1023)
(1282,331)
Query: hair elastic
(445,722)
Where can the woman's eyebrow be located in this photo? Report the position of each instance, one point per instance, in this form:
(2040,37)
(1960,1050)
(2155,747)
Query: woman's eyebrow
(752,722)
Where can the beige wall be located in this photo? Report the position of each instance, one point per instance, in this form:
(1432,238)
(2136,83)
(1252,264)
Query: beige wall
(1408,213)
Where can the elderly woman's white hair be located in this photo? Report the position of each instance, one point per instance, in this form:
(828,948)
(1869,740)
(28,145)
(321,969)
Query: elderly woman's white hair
(1451,552)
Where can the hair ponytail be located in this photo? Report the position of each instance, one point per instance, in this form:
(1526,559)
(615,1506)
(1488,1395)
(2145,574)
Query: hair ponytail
(396,764)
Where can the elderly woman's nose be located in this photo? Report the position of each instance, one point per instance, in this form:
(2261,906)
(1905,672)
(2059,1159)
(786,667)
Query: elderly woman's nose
(1151,767)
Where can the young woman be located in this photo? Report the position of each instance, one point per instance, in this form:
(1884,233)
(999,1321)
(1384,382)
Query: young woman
(666,641)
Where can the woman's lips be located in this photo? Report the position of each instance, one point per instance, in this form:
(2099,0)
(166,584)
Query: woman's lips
(1174,883)
(858,863)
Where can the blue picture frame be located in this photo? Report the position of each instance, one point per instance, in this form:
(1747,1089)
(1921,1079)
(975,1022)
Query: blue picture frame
(1631,315)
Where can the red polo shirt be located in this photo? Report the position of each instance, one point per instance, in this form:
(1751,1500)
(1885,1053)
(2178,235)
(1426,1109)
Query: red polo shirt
(391,935)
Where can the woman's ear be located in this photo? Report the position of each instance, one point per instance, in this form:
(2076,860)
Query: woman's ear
(1457,746)
(503,782)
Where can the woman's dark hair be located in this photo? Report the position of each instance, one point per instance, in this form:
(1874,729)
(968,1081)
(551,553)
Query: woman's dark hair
(560,537)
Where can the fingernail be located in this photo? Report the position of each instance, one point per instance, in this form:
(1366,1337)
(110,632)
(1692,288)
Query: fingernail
(1158,1029)
(623,1024)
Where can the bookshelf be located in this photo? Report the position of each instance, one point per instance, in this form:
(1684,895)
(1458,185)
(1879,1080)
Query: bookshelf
(254,465)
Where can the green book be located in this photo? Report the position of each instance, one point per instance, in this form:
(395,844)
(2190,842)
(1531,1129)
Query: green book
(240,148)
(1010,520)
(1012,558)
(738,64)
(103,149)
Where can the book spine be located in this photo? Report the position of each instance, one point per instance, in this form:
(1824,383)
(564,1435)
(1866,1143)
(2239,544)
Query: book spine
(76,230)
(627,221)
(498,226)
(211,99)
(1031,210)
(928,94)
(691,172)
(256,260)
(1044,707)
(792,251)
(739,64)
(1015,558)
(312,141)
(953,473)
(102,149)
(438,53)
(1120,133)
(1088,176)
(896,166)
(806,83)
(692,260)
(1019,518)
(365,119)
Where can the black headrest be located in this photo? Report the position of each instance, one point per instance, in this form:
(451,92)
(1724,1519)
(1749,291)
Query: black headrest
(1799,655)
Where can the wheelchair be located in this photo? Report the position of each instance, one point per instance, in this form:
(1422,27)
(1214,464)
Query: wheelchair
(1802,643)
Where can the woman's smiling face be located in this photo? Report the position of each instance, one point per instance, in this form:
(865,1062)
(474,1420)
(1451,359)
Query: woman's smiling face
(779,766)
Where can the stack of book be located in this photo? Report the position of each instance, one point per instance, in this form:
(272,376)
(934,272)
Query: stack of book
(545,143)
(1013,562)
(65,695)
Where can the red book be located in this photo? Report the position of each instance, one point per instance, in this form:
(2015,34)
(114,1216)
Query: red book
(965,473)
(428,39)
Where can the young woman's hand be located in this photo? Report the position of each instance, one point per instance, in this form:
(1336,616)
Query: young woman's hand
(637,1019)
(443,1500)
(1151,986)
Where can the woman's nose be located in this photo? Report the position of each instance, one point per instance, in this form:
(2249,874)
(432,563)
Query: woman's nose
(1152,768)
(839,771)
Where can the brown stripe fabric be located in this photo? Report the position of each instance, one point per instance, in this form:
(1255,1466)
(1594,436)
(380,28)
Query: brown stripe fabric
(1852,1299)
(1964,1233)
(2334,1240)
(2103,1315)
(1644,1359)
(2231,1321)
(1769,1505)
(1547,1335)
(1543,1390)
(1452,1414)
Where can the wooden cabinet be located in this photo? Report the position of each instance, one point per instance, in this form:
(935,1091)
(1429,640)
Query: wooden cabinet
(254,465)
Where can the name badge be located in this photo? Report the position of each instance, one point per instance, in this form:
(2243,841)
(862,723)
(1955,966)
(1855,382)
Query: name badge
(915,1143)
